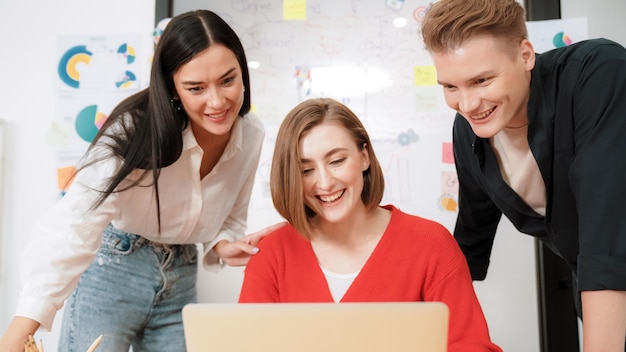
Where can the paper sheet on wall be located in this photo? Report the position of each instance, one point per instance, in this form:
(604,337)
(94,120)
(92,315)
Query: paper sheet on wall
(94,73)
(551,34)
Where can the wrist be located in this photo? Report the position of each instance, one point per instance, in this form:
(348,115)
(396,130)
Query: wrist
(218,249)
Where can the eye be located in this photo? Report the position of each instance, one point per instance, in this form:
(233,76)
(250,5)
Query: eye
(195,89)
(338,161)
(306,172)
(449,87)
(228,81)
(481,81)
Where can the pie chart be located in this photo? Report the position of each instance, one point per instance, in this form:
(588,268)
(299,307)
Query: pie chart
(128,52)
(88,122)
(126,81)
(560,40)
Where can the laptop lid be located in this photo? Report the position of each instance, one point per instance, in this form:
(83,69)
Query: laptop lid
(316,327)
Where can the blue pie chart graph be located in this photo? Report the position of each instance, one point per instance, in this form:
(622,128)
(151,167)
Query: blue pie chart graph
(561,40)
(128,52)
(126,81)
(88,122)
(68,65)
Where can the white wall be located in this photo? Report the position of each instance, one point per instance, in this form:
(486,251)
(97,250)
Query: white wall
(29,31)
(605,17)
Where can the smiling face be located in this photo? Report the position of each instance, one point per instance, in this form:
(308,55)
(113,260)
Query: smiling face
(487,82)
(332,172)
(211,90)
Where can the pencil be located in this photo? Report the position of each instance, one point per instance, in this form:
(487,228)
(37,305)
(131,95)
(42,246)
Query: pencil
(95,344)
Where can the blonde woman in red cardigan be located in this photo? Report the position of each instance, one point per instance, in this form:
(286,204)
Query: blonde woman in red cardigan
(339,244)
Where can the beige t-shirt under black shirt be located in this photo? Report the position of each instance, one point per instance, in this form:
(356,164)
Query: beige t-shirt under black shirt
(519,168)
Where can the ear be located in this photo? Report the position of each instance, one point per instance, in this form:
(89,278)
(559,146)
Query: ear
(365,157)
(528,54)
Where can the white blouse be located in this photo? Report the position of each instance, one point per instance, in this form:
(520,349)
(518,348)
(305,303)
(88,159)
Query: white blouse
(67,238)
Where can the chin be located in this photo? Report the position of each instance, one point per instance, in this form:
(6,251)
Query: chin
(484,131)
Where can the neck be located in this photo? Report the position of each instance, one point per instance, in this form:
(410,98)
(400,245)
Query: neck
(362,225)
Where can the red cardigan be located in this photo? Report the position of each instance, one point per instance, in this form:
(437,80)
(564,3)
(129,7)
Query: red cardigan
(415,260)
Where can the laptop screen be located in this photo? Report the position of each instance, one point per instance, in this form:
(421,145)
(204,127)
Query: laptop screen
(318,327)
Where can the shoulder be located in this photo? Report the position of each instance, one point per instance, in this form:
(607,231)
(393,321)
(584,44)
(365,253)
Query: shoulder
(422,238)
(252,125)
(283,237)
(250,132)
(416,225)
(596,47)
(586,52)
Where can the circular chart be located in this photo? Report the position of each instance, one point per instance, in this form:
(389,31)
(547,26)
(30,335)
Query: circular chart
(561,39)
(126,81)
(158,30)
(68,65)
(88,122)
(127,52)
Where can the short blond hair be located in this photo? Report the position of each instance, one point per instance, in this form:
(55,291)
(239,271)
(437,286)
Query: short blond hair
(286,173)
(449,23)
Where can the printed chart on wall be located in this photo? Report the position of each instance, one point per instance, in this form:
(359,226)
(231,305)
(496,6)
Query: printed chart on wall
(367,54)
(93,74)
(551,34)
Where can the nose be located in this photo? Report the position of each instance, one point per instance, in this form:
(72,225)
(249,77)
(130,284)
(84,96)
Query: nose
(324,179)
(468,101)
(214,97)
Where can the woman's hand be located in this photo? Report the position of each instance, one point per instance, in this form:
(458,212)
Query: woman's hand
(237,253)
(17,334)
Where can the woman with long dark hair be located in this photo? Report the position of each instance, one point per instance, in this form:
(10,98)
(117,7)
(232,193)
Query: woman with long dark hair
(172,167)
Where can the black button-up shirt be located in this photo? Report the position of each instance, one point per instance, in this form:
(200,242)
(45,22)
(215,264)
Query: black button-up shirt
(577,134)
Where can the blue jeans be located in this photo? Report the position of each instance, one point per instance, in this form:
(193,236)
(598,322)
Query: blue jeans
(132,294)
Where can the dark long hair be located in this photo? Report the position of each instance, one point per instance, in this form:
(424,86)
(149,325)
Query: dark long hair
(145,129)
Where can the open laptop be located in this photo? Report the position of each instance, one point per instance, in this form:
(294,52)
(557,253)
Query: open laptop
(316,327)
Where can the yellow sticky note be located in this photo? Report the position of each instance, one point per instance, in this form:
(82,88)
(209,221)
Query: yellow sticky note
(424,76)
(294,10)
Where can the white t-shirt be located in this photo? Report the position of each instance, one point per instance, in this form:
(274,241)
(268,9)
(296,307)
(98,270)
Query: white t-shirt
(338,284)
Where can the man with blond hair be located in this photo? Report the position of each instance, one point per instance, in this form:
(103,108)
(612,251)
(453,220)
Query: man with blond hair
(539,138)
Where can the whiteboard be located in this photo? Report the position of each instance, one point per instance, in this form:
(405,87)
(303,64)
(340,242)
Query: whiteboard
(351,51)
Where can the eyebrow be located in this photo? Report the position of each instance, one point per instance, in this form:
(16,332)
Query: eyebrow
(471,79)
(330,152)
(227,73)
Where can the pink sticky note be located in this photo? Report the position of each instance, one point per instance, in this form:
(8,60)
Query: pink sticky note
(449,183)
(447,155)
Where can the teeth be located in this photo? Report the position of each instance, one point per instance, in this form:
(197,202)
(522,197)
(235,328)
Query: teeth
(217,116)
(483,115)
(331,198)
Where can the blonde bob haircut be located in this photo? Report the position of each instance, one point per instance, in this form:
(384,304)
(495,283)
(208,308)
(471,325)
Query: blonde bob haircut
(286,173)
(449,23)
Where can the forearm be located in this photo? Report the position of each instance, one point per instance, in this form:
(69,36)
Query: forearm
(17,334)
(604,321)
